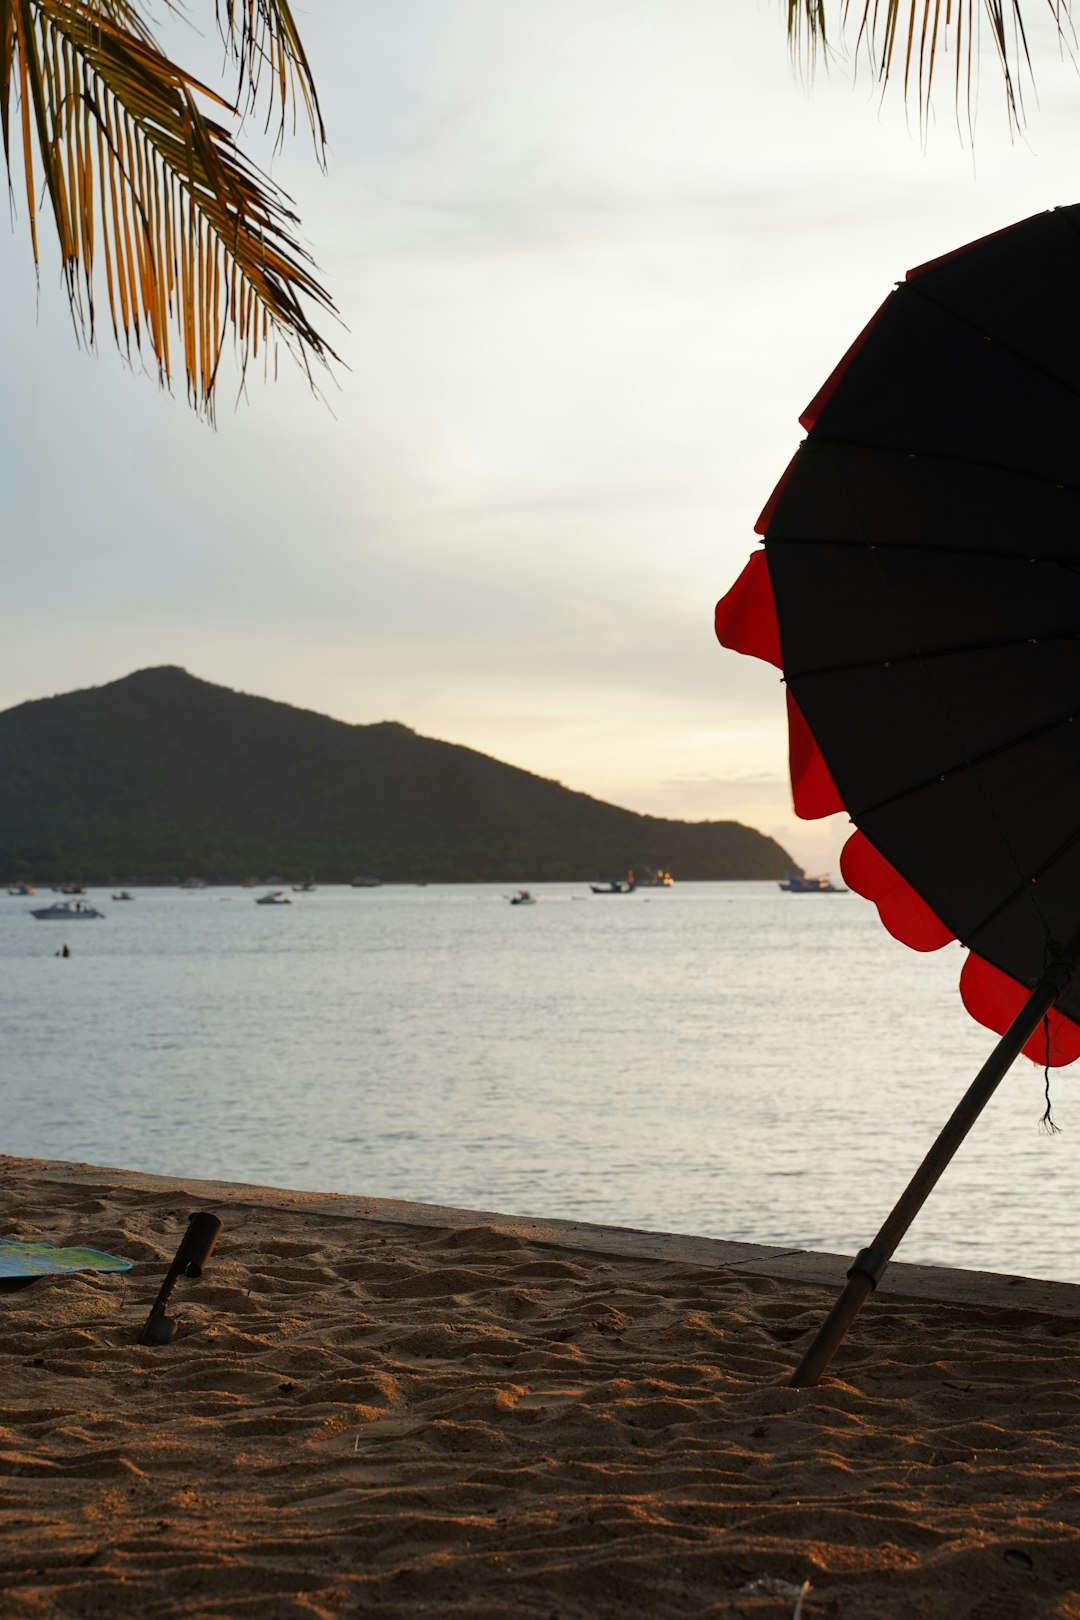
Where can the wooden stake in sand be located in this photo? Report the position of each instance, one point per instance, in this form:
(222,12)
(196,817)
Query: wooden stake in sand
(190,1260)
(868,1266)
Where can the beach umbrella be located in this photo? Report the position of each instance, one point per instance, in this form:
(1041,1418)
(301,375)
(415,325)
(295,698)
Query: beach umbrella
(919,589)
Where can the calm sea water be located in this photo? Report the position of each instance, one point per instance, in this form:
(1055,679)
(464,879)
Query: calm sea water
(718,1058)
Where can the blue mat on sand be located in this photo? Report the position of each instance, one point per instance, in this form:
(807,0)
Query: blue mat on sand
(42,1260)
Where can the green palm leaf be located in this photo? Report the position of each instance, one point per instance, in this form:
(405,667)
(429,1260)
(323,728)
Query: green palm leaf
(197,244)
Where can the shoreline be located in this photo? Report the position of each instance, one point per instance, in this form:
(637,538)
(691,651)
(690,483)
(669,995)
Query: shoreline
(374,1408)
(955,1285)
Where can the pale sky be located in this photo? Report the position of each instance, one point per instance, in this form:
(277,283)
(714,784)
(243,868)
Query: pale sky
(593,257)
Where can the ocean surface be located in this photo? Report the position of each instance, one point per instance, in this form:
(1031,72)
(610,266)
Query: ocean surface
(717,1058)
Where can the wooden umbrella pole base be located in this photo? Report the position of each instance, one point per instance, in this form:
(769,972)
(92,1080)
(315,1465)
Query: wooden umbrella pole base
(869,1264)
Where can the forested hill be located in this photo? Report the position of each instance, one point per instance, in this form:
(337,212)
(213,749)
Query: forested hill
(162,775)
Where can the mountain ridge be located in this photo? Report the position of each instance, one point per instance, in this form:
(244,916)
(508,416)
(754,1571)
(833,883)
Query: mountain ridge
(160,773)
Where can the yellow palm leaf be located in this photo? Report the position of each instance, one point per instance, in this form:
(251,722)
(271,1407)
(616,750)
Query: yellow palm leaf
(264,40)
(193,236)
(909,37)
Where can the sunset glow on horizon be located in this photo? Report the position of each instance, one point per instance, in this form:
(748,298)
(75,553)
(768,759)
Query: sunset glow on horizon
(591,266)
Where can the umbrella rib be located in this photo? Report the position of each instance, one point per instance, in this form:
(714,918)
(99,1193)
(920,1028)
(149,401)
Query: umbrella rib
(939,652)
(965,765)
(1023,890)
(919,291)
(934,548)
(821,439)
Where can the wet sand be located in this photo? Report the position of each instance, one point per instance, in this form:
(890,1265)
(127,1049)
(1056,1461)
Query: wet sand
(363,1416)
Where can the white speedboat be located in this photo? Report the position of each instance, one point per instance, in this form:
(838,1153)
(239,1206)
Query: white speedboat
(67,911)
(274,898)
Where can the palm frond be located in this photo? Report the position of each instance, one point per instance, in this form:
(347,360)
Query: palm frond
(906,38)
(806,28)
(265,41)
(195,240)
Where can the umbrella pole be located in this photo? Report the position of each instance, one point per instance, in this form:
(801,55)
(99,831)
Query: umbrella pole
(869,1265)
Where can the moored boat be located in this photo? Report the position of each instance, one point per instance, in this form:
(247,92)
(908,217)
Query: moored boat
(799,883)
(613,886)
(67,911)
(274,898)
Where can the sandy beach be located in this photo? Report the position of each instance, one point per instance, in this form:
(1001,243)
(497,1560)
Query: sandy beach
(364,1416)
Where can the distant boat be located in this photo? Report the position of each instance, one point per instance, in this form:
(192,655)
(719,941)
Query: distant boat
(799,883)
(274,898)
(366,883)
(123,895)
(523,898)
(67,911)
(659,878)
(72,888)
(303,888)
(23,888)
(193,883)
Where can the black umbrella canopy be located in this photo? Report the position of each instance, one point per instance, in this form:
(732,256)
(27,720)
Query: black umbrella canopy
(920,589)
(923,555)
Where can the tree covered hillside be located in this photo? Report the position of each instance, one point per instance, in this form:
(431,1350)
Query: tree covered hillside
(162,775)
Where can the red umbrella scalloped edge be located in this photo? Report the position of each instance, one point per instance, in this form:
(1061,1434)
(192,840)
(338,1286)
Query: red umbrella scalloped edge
(746,622)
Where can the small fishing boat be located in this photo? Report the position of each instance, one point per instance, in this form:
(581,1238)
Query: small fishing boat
(523,898)
(23,888)
(613,887)
(799,883)
(660,878)
(123,895)
(274,898)
(67,911)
